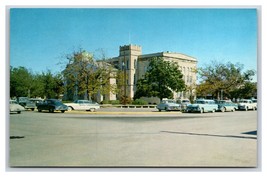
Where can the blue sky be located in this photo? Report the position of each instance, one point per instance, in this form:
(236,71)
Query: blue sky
(40,38)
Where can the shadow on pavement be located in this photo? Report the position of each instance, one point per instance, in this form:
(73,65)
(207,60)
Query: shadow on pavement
(251,132)
(204,134)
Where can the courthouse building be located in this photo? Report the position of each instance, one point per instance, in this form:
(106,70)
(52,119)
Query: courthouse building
(135,64)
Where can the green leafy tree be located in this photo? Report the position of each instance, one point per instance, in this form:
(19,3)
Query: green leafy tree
(161,79)
(86,77)
(52,85)
(38,86)
(21,80)
(246,91)
(218,78)
(24,83)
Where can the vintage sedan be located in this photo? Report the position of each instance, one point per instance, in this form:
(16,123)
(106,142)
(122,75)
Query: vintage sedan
(15,107)
(26,103)
(83,105)
(52,105)
(246,104)
(202,105)
(225,105)
(169,105)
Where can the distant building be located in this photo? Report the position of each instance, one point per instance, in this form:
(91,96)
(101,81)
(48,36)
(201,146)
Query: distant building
(135,65)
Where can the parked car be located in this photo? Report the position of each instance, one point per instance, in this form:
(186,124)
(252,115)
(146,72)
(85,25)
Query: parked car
(254,101)
(84,105)
(202,105)
(169,105)
(52,105)
(184,103)
(226,105)
(26,103)
(15,107)
(36,101)
(246,104)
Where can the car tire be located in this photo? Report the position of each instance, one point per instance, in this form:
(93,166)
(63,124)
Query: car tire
(223,110)
(70,108)
(213,111)
(92,109)
(62,111)
(19,112)
(201,110)
(233,110)
(39,110)
(51,110)
(32,109)
(159,110)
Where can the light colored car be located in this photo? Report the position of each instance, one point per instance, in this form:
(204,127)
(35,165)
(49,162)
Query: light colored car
(83,105)
(254,101)
(169,105)
(15,107)
(245,104)
(202,105)
(184,103)
(226,105)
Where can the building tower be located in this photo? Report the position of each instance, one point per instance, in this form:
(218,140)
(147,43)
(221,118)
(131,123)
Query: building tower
(128,62)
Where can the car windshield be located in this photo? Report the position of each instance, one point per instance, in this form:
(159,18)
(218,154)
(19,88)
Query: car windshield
(12,102)
(24,99)
(168,101)
(200,102)
(87,102)
(83,102)
(57,102)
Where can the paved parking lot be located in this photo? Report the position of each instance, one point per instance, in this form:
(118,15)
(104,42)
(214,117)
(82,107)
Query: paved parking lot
(133,139)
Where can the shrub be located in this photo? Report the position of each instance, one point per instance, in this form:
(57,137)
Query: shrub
(114,102)
(140,102)
(105,102)
(110,102)
(125,100)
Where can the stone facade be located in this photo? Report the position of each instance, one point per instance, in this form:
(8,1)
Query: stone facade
(134,64)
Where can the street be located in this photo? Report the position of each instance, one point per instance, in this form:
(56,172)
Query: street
(133,138)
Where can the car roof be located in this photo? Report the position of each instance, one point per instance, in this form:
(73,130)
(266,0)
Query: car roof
(53,99)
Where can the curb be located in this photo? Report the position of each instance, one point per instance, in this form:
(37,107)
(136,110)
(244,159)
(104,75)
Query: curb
(122,113)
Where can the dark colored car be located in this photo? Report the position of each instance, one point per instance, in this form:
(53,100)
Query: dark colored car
(26,103)
(52,105)
(36,101)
